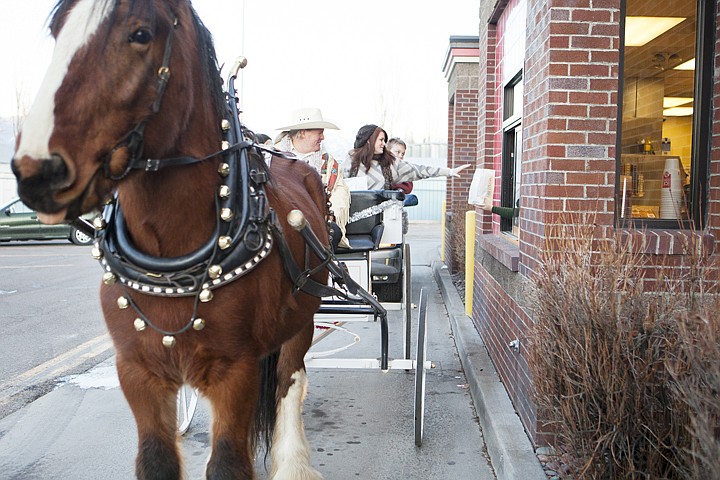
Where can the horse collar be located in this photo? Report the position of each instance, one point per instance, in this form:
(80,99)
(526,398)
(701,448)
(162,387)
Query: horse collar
(240,241)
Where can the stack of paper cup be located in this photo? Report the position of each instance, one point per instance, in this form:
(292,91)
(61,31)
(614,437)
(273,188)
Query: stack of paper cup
(671,191)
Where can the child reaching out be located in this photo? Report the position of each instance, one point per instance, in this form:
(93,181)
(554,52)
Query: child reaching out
(398,148)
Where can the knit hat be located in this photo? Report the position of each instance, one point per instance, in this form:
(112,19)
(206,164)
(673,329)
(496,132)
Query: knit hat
(364,134)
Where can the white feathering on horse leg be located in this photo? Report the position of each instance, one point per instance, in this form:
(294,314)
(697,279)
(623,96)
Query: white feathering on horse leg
(290,453)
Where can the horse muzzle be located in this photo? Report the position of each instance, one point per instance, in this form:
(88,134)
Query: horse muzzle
(39,180)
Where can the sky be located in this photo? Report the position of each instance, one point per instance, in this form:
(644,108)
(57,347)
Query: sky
(369,61)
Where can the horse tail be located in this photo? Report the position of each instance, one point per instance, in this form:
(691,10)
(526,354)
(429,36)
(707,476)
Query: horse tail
(266,410)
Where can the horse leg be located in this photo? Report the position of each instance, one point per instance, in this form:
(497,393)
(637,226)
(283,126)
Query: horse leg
(290,452)
(152,401)
(233,398)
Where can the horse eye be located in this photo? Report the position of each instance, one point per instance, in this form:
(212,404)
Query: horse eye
(142,36)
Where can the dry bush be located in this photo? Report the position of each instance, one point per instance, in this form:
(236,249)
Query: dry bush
(457,235)
(628,380)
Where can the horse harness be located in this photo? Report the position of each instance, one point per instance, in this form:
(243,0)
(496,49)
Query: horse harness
(246,227)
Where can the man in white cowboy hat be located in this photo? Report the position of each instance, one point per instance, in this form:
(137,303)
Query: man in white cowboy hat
(303,137)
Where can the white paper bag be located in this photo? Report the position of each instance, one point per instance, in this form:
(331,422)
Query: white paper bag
(482,187)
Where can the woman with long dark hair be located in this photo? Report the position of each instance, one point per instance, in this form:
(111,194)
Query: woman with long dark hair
(369,158)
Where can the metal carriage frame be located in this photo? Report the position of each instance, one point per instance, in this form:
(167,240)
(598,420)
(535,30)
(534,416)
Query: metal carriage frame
(379,250)
(355,301)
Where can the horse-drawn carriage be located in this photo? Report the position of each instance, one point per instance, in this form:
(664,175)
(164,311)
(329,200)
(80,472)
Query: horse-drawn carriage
(214,262)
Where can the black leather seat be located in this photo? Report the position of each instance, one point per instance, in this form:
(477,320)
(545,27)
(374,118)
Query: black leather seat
(364,234)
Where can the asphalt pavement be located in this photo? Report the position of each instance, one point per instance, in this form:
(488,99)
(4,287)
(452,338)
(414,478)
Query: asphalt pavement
(359,423)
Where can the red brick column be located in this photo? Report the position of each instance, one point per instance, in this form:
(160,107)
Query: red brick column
(461,63)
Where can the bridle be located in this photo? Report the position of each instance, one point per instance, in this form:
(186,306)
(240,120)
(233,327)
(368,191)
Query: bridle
(134,140)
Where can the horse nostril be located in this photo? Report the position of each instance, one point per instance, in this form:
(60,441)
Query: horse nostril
(55,171)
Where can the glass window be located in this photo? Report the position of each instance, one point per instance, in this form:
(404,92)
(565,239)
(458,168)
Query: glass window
(511,154)
(664,138)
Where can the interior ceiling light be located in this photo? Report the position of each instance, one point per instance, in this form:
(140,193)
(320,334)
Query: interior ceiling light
(678,112)
(689,65)
(669,102)
(640,30)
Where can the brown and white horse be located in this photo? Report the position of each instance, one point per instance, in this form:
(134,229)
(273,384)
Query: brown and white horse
(132,80)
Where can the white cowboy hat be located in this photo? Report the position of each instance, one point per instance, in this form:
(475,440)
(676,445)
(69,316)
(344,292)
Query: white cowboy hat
(306,119)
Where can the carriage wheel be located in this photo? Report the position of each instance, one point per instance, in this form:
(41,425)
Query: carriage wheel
(187,401)
(407,300)
(420,370)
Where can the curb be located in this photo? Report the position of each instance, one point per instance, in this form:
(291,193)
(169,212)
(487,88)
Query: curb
(511,453)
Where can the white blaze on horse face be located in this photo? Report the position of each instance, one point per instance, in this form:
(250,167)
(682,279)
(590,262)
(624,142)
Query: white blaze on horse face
(290,454)
(82,22)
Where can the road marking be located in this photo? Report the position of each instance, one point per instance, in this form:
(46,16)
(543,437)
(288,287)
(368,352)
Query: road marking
(64,254)
(59,265)
(56,367)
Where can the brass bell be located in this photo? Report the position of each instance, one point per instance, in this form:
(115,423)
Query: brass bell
(96,253)
(224,191)
(123,303)
(199,324)
(225,124)
(99,223)
(214,271)
(206,295)
(226,214)
(225,145)
(224,169)
(109,278)
(169,341)
(139,324)
(224,242)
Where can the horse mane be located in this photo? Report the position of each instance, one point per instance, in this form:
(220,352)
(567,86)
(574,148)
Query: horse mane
(147,8)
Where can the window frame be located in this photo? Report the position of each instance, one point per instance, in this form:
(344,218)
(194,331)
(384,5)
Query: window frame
(701,125)
(512,123)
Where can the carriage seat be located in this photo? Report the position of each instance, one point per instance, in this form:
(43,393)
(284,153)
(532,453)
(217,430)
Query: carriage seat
(365,234)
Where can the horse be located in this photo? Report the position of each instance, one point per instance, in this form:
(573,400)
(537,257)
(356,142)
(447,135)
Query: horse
(132,117)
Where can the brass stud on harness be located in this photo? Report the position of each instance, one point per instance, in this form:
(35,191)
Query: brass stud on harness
(99,223)
(139,324)
(224,242)
(169,341)
(224,191)
(199,324)
(96,253)
(225,124)
(214,271)
(109,278)
(206,295)
(224,169)
(225,145)
(123,303)
(226,214)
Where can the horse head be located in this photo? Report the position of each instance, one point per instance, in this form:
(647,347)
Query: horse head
(118,88)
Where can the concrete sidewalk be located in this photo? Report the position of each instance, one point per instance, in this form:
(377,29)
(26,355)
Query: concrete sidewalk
(510,450)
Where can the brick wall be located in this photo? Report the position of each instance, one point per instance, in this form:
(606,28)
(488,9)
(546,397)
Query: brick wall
(714,170)
(568,159)
(462,145)
(570,117)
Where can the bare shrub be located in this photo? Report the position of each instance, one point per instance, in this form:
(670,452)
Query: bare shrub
(457,235)
(627,379)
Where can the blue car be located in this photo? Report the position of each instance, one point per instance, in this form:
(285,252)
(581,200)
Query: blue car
(20,222)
